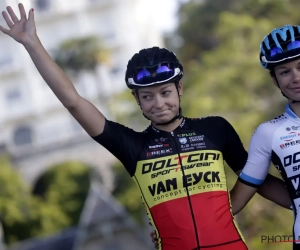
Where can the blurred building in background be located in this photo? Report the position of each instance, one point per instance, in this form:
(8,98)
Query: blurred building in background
(33,124)
(35,129)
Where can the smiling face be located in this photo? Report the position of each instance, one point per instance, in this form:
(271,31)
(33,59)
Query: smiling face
(288,77)
(159,103)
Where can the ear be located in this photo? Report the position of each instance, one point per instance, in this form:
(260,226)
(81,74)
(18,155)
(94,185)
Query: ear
(135,94)
(180,88)
(273,76)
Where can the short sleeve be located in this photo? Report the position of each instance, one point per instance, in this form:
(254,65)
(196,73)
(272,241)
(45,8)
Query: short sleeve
(259,157)
(122,142)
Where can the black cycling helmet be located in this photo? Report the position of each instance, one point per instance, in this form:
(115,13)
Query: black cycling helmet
(153,66)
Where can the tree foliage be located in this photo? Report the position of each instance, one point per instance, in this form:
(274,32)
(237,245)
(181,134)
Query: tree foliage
(127,193)
(57,207)
(65,185)
(78,54)
(198,20)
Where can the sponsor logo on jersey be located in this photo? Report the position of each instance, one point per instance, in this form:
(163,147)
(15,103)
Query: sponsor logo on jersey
(155,129)
(156,146)
(289,137)
(277,119)
(188,160)
(199,145)
(192,146)
(183,140)
(292,161)
(171,177)
(161,139)
(196,138)
(182,124)
(187,147)
(296,182)
(187,134)
(292,128)
(187,180)
(159,152)
(289,144)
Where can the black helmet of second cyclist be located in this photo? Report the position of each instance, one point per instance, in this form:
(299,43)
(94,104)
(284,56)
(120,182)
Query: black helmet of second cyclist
(154,66)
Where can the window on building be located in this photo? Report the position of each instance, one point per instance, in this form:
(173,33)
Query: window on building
(23,136)
(6,61)
(42,5)
(116,70)
(13,96)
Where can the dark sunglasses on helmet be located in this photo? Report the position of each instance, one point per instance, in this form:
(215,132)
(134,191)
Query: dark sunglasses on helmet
(292,45)
(147,76)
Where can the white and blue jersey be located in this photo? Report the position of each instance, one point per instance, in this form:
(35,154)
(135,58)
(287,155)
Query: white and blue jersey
(277,141)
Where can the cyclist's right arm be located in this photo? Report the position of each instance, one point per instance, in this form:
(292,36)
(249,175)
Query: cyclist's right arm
(24,32)
(255,171)
(82,110)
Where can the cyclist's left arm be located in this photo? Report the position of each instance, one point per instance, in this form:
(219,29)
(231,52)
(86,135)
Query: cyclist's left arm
(274,189)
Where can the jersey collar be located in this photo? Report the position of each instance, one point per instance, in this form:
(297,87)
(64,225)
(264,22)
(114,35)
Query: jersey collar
(181,125)
(290,113)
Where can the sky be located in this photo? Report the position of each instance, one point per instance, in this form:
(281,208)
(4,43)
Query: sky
(165,13)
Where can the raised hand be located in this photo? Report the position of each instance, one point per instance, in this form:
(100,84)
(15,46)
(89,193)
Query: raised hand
(23,30)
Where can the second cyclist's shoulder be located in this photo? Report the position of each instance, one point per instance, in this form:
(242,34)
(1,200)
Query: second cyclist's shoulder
(278,119)
(275,122)
(269,127)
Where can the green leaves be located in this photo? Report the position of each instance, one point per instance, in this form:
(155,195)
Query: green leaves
(61,195)
(81,54)
(229,80)
(128,194)
(67,185)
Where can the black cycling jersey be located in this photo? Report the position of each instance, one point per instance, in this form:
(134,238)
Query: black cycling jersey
(182,181)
